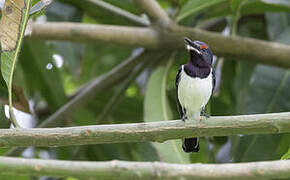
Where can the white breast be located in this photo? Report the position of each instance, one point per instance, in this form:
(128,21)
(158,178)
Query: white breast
(194,93)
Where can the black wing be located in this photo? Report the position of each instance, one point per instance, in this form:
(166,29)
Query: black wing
(213,80)
(176,87)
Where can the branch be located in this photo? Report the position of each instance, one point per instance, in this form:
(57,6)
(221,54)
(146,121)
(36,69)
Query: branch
(92,7)
(154,11)
(258,51)
(120,12)
(76,101)
(140,132)
(145,170)
(92,33)
(96,85)
(114,100)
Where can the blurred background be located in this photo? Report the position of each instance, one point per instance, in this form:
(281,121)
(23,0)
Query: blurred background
(50,73)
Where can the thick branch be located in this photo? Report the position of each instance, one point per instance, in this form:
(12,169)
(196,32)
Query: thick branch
(242,48)
(139,132)
(145,170)
(86,92)
(91,33)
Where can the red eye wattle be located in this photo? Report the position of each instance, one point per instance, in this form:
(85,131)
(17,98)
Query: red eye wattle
(203,47)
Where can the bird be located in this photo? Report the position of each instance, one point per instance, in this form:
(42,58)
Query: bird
(195,82)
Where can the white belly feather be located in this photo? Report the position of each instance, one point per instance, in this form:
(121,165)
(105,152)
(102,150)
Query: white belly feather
(194,93)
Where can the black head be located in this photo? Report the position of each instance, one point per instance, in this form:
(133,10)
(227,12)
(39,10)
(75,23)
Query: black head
(198,48)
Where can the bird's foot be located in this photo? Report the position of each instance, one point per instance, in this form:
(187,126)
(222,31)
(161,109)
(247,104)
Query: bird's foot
(204,114)
(201,118)
(184,118)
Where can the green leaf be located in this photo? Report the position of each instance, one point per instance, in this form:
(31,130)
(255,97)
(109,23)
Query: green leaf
(71,178)
(258,7)
(37,77)
(277,2)
(3,92)
(286,155)
(270,85)
(13,22)
(4,123)
(225,102)
(194,6)
(235,4)
(249,7)
(156,108)
(13,177)
(268,92)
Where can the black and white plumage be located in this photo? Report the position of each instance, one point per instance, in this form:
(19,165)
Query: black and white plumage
(195,82)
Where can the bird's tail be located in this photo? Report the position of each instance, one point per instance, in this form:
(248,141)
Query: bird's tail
(190,145)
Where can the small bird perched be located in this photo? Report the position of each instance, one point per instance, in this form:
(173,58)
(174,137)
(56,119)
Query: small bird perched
(195,82)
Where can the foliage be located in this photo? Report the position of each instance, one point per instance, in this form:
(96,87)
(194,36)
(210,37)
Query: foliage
(286,155)
(50,73)
(13,25)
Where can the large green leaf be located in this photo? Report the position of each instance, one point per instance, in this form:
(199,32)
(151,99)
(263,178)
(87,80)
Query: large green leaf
(268,92)
(269,86)
(156,108)
(13,22)
(260,6)
(195,6)
(38,77)
(248,7)
(235,4)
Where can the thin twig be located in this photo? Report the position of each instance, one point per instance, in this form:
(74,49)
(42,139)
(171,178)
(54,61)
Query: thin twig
(118,11)
(120,91)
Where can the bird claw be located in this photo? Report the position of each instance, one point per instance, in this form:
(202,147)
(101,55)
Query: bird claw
(204,114)
(184,118)
(201,118)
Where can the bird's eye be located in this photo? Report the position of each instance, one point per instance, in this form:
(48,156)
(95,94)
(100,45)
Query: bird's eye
(203,47)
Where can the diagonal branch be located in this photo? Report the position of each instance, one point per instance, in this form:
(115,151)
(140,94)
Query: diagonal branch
(93,87)
(139,132)
(115,99)
(92,7)
(120,12)
(79,98)
(240,47)
(154,11)
(146,170)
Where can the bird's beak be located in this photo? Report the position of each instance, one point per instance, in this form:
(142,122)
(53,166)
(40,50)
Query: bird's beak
(191,45)
(187,41)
